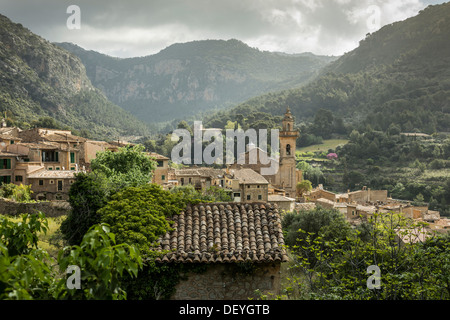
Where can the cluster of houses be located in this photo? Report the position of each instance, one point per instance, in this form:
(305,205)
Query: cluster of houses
(46,159)
(358,205)
(247,229)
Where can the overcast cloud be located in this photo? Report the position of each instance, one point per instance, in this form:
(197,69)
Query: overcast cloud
(138,28)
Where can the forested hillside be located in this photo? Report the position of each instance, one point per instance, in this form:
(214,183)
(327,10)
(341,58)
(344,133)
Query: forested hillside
(39,79)
(188,79)
(399,75)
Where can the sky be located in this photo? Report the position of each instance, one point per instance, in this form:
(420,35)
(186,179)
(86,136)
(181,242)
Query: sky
(135,28)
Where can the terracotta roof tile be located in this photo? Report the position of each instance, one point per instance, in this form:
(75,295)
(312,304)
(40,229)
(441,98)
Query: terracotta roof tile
(225,232)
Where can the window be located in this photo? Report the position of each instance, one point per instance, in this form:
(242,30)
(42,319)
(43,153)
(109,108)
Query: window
(50,156)
(72,168)
(249,197)
(163,177)
(5,163)
(288,149)
(60,185)
(57,168)
(259,197)
(51,181)
(72,157)
(182,181)
(49,168)
(19,178)
(5,179)
(160,163)
(12,141)
(41,182)
(248,186)
(237,195)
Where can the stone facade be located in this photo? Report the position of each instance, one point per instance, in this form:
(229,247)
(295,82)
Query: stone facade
(161,173)
(49,208)
(227,282)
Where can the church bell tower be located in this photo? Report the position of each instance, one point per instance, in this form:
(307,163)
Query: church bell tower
(288,140)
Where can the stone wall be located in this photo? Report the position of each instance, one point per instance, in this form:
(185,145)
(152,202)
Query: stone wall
(228,282)
(49,208)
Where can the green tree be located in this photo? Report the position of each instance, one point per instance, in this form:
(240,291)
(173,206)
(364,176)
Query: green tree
(27,272)
(328,223)
(87,194)
(111,172)
(303,187)
(129,166)
(102,263)
(137,215)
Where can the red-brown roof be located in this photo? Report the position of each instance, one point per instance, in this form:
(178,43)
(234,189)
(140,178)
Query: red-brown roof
(225,233)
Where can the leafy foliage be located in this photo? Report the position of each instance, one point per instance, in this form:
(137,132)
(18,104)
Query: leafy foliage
(211,194)
(28,272)
(336,267)
(137,215)
(129,166)
(87,194)
(111,172)
(102,263)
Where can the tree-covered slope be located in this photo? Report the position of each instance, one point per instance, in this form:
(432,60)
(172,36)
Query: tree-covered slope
(398,75)
(186,79)
(39,79)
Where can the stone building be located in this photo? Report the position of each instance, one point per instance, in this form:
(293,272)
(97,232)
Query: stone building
(287,176)
(161,173)
(225,237)
(200,177)
(51,185)
(247,185)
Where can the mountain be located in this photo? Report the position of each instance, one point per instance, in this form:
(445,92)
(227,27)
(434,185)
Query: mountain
(398,76)
(39,79)
(186,79)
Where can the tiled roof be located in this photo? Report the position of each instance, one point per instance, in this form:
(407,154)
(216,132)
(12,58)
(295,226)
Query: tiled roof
(62,137)
(157,156)
(200,172)
(53,174)
(224,233)
(279,197)
(9,137)
(248,176)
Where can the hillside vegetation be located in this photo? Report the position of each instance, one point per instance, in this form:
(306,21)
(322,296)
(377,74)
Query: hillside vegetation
(39,79)
(188,79)
(398,75)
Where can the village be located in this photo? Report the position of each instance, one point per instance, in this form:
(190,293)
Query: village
(48,159)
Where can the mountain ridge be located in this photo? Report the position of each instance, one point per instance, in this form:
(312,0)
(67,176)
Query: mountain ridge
(39,79)
(189,78)
(399,75)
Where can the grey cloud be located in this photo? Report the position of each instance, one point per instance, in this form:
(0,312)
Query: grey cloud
(132,27)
